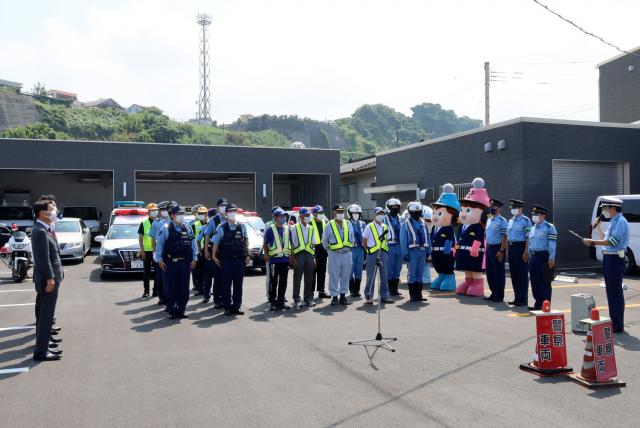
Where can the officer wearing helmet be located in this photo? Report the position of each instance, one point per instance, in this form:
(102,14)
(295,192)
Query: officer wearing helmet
(393,220)
(416,246)
(357,251)
(146,249)
(219,219)
(196,227)
(161,219)
(176,254)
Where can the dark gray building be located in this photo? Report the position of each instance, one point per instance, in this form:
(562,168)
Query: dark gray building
(97,173)
(619,86)
(563,165)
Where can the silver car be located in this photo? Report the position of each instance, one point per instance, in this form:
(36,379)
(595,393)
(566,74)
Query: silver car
(74,238)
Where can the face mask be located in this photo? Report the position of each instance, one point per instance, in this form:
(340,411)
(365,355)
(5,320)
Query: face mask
(416,215)
(153,213)
(164,214)
(536,219)
(222,209)
(305,220)
(515,212)
(606,214)
(379,218)
(356,216)
(180,218)
(493,211)
(200,217)
(280,220)
(340,216)
(53,216)
(232,216)
(395,210)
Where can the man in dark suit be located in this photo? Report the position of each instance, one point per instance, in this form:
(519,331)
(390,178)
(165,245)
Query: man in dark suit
(47,276)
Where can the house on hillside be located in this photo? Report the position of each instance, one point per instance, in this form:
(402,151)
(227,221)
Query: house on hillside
(8,84)
(104,103)
(57,94)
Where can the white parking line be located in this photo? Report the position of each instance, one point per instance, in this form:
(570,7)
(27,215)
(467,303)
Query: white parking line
(15,291)
(15,370)
(26,327)
(17,304)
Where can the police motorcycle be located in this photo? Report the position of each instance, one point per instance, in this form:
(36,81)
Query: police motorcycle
(15,251)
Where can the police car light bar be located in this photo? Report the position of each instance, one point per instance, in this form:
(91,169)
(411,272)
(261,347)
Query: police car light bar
(296,209)
(132,204)
(131,211)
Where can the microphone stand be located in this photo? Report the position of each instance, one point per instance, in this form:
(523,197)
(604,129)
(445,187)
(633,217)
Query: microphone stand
(378,341)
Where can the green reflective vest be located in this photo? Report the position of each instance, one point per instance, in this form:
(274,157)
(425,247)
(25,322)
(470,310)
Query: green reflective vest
(380,243)
(146,239)
(315,226)
(280,247)
(341,241)
(197,226)
(305,246)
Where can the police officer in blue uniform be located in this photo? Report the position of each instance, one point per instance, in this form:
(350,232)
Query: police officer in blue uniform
(415,244)
(393,222)
(176,255)
(357,251)
(517,233)
(204,239)
(496,250)
(615,242)
(541,255)
(231,254)
(154,230)
(212,226)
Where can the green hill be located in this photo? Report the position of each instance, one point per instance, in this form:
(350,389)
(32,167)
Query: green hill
(369,129)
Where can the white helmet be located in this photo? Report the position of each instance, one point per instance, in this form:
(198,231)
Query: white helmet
(354,208)
(393,202)
(427,212)
(415,206)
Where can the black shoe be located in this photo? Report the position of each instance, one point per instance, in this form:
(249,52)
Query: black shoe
(145,294)
(323,295)
(513,303)
(534,308)
(55,339)
(343,300)
(55,352)
(228,312)
(388,301)
(205,301)
(491,297)
(285,307)
(53,345)
(56,329)
(520,304)
(54,333)
(237,312)
(183,316)
(47,357)
(334,301)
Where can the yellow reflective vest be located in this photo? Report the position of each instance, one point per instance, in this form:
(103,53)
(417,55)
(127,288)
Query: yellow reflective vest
(146,239)
(380,243)
(305,246)
(341,241)
(281,247)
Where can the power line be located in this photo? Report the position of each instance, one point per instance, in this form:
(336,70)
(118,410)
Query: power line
(583,30)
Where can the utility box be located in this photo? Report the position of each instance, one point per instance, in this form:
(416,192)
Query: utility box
(581,305)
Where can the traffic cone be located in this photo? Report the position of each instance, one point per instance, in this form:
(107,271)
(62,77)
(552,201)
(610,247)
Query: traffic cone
(555,364)
(588,376)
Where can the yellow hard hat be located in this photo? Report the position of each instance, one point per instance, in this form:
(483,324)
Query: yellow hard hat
(202,210)
(152,206)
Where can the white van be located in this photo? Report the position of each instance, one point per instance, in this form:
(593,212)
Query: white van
(630,211)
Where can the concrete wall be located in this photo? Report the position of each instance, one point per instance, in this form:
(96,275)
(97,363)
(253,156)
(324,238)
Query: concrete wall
(189,194)
(620,90)
(126,158)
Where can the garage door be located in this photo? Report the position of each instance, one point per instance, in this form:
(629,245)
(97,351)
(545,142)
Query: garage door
(576,185)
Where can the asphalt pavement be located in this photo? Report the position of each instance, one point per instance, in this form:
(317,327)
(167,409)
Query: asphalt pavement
(126,365)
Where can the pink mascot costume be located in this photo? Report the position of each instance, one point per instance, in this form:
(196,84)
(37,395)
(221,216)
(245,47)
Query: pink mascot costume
(470,254)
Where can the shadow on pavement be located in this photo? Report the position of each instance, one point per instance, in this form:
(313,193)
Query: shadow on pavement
(412,306)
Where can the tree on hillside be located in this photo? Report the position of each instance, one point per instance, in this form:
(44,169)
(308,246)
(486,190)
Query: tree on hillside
(39,90)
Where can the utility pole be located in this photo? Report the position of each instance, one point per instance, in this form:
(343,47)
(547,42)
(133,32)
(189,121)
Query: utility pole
(487,82)
(397,133)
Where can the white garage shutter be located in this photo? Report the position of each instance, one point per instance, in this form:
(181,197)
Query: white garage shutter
(576,185)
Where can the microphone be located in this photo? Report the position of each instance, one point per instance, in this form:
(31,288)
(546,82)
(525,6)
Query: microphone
(384,233)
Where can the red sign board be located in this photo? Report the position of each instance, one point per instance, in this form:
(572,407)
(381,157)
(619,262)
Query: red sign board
(604,356)
(550,340)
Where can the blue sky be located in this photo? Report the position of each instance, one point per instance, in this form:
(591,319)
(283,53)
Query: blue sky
(320,59)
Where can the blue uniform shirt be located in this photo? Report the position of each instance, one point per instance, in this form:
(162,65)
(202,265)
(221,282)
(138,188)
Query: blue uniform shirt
(157,225)
(393,223)
(519,228)
(220,232)
(358,229)
(422,237)
(269,240)
(618,234)
(161,238)
(495,230)
(543,237)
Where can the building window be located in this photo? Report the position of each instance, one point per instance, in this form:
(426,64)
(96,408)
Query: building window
(349,193)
